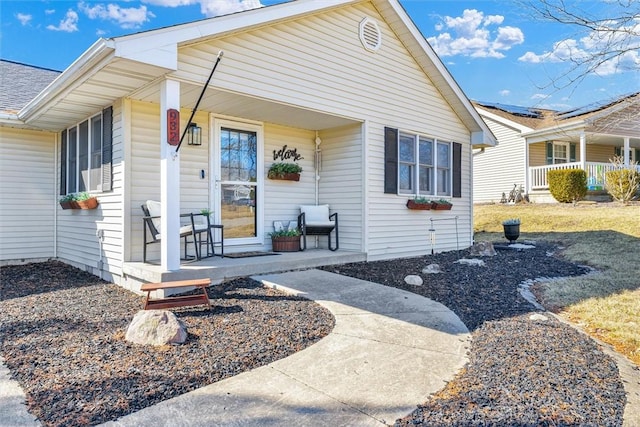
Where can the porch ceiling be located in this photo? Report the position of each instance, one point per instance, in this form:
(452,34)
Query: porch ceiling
(592,139)
(248,107)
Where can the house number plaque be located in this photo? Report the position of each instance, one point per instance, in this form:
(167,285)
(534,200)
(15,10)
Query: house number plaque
(173,126)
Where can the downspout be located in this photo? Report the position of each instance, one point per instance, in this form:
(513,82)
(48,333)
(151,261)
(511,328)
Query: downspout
(318,167)
(55,196)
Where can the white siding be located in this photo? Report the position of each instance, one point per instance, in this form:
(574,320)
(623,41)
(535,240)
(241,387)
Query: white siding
(77,241)
(319,63)
(497,168)
(27,194)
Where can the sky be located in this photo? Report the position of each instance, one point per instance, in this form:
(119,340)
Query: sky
(496,50)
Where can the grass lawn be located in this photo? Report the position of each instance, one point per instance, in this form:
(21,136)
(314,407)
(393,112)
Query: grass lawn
(605,236)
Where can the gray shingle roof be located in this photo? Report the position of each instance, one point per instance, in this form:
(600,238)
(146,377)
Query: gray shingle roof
(20,83)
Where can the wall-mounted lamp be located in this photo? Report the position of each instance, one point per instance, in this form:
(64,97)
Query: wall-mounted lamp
(194,134)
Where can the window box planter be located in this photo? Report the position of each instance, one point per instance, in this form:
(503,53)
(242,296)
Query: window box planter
(284,171)
(285,176)
(441,205)
(78,201)
(419,205)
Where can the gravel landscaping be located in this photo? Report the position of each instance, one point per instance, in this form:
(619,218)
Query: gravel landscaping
(526,368)
(62,334)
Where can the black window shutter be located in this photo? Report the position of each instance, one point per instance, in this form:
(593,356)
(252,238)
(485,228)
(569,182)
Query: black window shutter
(549,153)
(637,154)
(457,170)
(572,152)
(63,162)
(390,160)
(107,148)
(617,151)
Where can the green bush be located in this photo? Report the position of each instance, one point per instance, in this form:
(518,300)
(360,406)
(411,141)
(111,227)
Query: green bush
(623,184)
(567,185)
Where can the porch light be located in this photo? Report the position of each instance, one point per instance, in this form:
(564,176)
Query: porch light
(194,134)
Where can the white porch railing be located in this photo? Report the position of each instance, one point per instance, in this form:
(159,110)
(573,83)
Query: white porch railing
(596,173)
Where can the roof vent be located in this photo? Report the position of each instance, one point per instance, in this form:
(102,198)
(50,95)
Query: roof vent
(370,35)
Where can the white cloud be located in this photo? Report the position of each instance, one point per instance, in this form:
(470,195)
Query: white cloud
(24,18)
(539,96)
(49,11)
(588,49)
(69,24)
(224,7)
(472,35)
(132,17)
(505,92)
(211,7)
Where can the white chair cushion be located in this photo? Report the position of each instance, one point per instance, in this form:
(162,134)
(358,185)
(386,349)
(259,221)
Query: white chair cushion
(154,208)
(315,214)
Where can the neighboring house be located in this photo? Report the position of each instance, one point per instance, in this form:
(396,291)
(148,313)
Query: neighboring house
(351,87)
(533,141)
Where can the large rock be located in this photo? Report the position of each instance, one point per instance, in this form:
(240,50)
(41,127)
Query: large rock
(413,280)
(156,327)
(431,269)
(471,261)
(482,249)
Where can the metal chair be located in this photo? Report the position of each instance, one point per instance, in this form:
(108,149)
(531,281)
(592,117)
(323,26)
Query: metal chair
(316,221)
(151,225)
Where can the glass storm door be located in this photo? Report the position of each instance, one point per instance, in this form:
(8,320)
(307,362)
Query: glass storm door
(238,184)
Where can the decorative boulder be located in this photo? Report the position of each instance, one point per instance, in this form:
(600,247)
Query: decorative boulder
(482,249)
(431,269)
(413,280)
(472,261)
(156,327)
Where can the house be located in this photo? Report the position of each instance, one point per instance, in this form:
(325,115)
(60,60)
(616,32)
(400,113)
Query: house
(348,89)
(532,141)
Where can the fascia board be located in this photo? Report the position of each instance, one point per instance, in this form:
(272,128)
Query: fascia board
(540,135)
(443,73)
(78,71)
(503,121)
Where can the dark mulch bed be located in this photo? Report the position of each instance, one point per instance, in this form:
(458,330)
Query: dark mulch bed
(522,371)
(62,337)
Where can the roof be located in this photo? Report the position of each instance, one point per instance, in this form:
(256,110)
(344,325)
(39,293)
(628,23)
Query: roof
(539,118)
(20,83)
(114,68)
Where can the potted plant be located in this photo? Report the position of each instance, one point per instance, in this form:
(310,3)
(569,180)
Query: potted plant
(285,171)
(85,200)
(419,203)
(511,229)
(441,205)
(285,240)
(67,202)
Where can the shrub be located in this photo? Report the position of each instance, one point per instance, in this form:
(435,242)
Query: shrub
(567,185)
(622,184)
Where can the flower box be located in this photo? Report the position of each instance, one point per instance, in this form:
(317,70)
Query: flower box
(285,176)
(421,206)
(441,206)
(90,203)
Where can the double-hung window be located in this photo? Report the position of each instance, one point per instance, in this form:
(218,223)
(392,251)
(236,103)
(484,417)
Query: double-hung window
(420,172)
(421,166)
(85,155)
(560,152)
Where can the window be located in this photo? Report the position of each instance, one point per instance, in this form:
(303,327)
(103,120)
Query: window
(85,155)
(417,163)
(560,152)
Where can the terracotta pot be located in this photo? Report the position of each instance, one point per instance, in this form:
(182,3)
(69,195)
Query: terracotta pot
(286,243)
(418,206)
(91,203)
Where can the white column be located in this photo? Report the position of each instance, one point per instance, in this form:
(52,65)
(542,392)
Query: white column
(626,151)
(583,151)
(169,182)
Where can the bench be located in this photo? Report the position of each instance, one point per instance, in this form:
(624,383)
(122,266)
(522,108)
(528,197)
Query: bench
(179,301)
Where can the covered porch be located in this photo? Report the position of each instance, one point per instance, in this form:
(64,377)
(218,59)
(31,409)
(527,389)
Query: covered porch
(219,269)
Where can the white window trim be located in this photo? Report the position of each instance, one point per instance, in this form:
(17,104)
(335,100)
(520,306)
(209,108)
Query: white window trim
(567,147)
(89,155)
(416,178)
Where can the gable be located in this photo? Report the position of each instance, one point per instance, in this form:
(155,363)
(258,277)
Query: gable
(623,121)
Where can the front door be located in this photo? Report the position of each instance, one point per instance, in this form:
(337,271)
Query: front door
(237,164)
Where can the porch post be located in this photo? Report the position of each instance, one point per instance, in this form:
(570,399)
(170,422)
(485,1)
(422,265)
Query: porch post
(583,151)
(626,150)
(169,181)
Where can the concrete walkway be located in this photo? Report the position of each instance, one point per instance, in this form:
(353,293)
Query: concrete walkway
(389,350)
